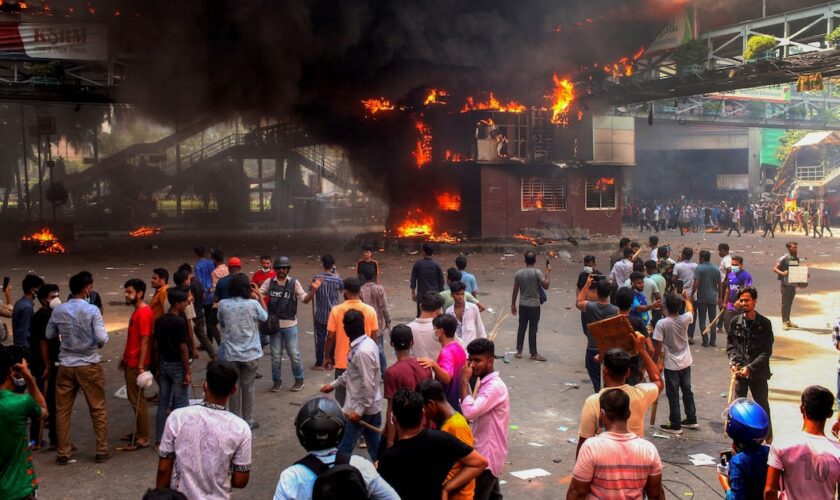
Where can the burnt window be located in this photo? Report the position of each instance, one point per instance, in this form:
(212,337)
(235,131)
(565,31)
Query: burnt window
(600,193)
(543,193)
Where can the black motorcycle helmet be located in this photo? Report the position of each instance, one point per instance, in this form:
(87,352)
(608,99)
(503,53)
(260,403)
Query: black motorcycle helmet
(319,424)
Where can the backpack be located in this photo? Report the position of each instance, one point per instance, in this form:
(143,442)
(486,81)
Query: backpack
(341,481)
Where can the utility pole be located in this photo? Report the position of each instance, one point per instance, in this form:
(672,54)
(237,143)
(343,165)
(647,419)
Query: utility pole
(763,8)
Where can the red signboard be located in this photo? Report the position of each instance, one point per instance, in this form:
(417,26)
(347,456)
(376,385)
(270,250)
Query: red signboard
(81,42)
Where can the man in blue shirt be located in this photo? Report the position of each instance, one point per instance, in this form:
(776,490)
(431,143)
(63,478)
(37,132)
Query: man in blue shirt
(24,310)
(327,295)
(80,328)
(466,278)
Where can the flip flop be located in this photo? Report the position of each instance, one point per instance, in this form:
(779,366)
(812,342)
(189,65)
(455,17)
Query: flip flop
(134,447)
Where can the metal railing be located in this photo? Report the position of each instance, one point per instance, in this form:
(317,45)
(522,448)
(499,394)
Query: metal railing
(810,172)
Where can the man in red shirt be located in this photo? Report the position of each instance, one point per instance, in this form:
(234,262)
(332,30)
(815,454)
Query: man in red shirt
(135,358)
(265,272)
(406,373)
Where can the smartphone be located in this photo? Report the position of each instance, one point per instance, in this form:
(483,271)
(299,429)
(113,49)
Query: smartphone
(5,283)
(725,457)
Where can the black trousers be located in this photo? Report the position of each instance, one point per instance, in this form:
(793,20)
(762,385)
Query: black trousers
(758,388)
(788,294)
(487,486)
(529,317)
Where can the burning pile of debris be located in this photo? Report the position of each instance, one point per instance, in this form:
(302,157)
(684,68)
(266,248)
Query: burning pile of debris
(545,236)
(42,242)
(418,224)
(145,232)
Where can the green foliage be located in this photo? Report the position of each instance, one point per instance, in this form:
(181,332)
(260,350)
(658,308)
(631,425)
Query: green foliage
(787,141)
(758,44)
(52,69)
(692,52)
(833,38)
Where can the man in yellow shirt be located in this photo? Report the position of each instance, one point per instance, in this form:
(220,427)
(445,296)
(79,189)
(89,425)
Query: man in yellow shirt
(338,343)
(439,411)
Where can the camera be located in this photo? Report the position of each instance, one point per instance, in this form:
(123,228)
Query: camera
(725,457)
(679,284)
(596,276)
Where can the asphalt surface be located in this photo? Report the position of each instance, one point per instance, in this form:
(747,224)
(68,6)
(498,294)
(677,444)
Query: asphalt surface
(545,397)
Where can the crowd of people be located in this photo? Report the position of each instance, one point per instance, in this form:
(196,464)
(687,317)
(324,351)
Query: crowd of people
(435,422)
(728,216)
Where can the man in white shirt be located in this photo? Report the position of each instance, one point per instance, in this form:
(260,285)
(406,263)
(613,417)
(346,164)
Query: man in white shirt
(671,332)
(206,450)
(684,271)
(622,269)
(470,326)
(426,344)
(653,243)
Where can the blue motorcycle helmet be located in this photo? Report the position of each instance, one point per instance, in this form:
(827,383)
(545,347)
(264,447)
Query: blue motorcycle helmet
(746,421)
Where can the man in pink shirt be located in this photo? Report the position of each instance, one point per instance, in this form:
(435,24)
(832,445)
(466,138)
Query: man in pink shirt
(616,463)
(450,361)
(806,464)
(488,408)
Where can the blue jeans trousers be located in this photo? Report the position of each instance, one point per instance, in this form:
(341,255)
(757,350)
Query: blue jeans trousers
(353,431)
(173,393)
(593,368)
(286,338)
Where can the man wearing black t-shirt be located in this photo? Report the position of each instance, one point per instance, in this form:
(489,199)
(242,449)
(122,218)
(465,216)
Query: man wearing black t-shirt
(417,465)
(594,311)
(172,358)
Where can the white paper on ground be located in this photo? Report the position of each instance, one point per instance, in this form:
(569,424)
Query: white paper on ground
(530,473)
(701,456)
(562,428)
(538,445)
(698,462)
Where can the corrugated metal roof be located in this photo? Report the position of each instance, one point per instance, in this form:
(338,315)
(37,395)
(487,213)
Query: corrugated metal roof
(815,138)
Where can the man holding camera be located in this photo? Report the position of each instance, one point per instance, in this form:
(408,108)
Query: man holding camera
(17,478)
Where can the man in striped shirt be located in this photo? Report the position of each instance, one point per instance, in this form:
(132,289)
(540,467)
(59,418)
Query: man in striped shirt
(328,291)
(616,463)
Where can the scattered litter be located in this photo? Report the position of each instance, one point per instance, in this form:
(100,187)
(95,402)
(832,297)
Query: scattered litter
(413,252)
(310,332)
(572,440)
(658,434)
(571,384)
(514,427)
(688,493)
(702,459)
(538,445)
(295,403)
(509,255)
(121,393)
(502,481)
(556,460)
(72,461)
(490,310)
(562,429)
(723,394)
(530,473)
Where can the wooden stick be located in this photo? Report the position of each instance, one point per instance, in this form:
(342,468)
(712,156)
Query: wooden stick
(709,328)
(369,427)
(655,405)
(477,385)
(499,322)
(731,393)
(636,254)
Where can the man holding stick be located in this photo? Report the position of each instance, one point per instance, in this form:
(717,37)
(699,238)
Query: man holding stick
(363,404)
(749,346)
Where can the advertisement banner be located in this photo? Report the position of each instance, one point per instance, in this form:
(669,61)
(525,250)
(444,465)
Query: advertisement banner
(74,41)
(676,33)
(771,93)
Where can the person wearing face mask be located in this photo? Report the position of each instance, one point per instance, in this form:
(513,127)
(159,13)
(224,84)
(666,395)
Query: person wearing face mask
(264,272)
(43,358)
(24,309)
(736,279)
(136,357)
(81,330)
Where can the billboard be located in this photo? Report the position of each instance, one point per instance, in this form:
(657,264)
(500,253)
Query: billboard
(74,41)
(773,93)
(676,33)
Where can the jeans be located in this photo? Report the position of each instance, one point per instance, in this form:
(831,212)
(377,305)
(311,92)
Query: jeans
(676,381)
(340,391)
(172,389)
(487,486)
(383,363)
(285,338)
(242,401)
(704,312)
(353,431)
(593,368)
(768,228)
(211,316)
(91,380)
(788,293)
(758,387)
(320,342)
(529,317)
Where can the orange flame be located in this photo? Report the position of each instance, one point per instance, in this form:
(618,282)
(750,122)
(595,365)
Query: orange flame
(603,183)
(561,100)
(145,231)
(532,240)
(434,97)
(493,104)
(49,241)
(624,66)
(449,202)
(377,105)
(423,147)
(419,224)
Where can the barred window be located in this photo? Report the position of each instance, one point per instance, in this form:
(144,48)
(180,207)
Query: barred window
(542,193)
(600,193)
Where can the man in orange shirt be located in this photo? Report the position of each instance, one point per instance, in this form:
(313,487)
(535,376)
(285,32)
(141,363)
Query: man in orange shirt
(439,411)
(160,282)
(136,357)
(338,343)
